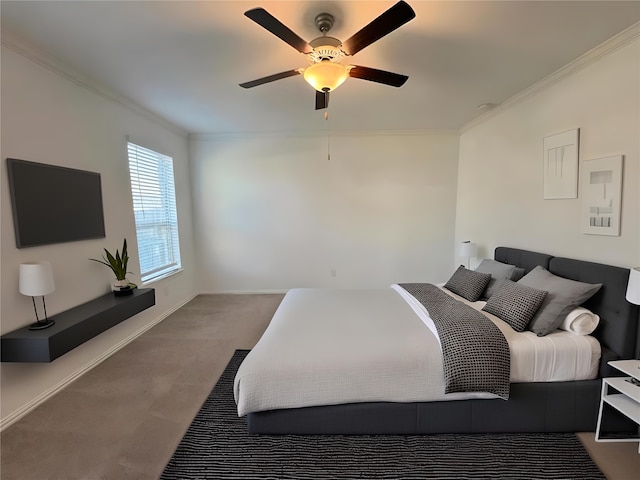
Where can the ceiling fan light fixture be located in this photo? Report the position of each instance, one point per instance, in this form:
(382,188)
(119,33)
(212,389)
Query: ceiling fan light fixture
(325,54)
(326,75)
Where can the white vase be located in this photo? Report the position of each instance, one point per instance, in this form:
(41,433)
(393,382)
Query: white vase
(119,284)
(121,288)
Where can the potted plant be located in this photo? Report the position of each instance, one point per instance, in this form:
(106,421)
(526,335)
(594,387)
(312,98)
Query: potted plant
(118,265)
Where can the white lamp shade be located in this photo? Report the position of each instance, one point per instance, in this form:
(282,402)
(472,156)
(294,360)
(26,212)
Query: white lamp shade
(468,250)
(36,279)
(633,287)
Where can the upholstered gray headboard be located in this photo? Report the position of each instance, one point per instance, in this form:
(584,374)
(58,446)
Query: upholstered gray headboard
(522,258)
(619,328)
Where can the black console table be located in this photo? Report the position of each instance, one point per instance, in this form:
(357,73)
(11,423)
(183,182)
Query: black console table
(73,327)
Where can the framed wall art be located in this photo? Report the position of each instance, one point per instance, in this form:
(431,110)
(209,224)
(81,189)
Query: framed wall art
(560,165)
(601,195)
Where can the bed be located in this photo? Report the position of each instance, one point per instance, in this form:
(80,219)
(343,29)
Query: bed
(388,401)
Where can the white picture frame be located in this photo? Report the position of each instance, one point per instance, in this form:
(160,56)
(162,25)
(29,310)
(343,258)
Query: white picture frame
(601,195)
(560,165)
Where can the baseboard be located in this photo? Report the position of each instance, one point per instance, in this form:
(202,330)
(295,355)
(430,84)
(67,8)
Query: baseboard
(44,396)
(243,292)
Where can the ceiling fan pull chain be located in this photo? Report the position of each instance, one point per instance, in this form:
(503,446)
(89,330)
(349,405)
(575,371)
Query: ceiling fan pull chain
(326,117)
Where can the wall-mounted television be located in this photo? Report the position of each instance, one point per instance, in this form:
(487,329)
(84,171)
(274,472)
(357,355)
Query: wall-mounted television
(53,204)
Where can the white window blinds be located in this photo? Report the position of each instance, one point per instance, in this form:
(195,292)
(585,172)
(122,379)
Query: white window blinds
(154,207)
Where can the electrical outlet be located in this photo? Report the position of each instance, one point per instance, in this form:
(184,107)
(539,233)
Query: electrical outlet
(333,272)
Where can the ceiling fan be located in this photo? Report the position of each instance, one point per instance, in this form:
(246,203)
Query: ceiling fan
(325,54)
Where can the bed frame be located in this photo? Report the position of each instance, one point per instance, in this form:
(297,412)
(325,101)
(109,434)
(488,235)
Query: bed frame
(532,407)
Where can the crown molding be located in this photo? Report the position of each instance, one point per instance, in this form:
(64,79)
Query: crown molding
(320,134)
(20,45)
(616,42)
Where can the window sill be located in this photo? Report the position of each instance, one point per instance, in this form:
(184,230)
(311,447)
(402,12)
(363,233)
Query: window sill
(162,277)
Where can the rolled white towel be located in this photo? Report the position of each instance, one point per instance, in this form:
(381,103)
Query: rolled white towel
(580,321)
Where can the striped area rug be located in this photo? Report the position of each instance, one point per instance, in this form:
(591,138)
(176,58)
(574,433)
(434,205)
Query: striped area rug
(217,446)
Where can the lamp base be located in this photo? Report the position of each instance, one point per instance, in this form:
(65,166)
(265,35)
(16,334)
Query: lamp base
(42,325)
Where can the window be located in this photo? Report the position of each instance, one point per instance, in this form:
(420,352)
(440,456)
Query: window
(154,208)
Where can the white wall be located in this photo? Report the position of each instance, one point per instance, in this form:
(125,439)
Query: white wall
(48,119)
(272,213)
(500,185)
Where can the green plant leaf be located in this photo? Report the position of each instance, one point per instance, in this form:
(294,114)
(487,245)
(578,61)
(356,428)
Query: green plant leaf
(113,262)
(117,263)
(100,261)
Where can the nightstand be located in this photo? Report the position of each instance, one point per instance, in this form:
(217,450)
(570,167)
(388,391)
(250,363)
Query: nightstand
(622,395)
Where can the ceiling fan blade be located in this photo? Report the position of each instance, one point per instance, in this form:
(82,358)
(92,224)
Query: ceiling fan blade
(279,29)
(379,76)
(271,78)
(322,100)
(386,23)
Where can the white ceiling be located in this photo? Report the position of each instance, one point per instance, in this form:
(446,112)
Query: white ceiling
(183,60)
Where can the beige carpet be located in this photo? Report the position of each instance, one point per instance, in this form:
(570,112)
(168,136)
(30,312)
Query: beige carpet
(123,419)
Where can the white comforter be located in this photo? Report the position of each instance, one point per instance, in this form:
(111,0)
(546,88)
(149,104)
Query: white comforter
(330,346)
(557,357)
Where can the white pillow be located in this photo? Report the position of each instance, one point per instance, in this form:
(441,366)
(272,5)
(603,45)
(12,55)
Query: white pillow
(580,321)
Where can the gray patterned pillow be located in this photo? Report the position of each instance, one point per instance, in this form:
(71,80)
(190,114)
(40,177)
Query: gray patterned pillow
(514,303)
(467,283)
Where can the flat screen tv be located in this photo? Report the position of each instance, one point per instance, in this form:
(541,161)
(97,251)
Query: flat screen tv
(53,204)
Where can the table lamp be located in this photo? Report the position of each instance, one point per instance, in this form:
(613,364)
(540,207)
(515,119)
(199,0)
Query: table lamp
(468,249)
(36,279)
(633,287)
